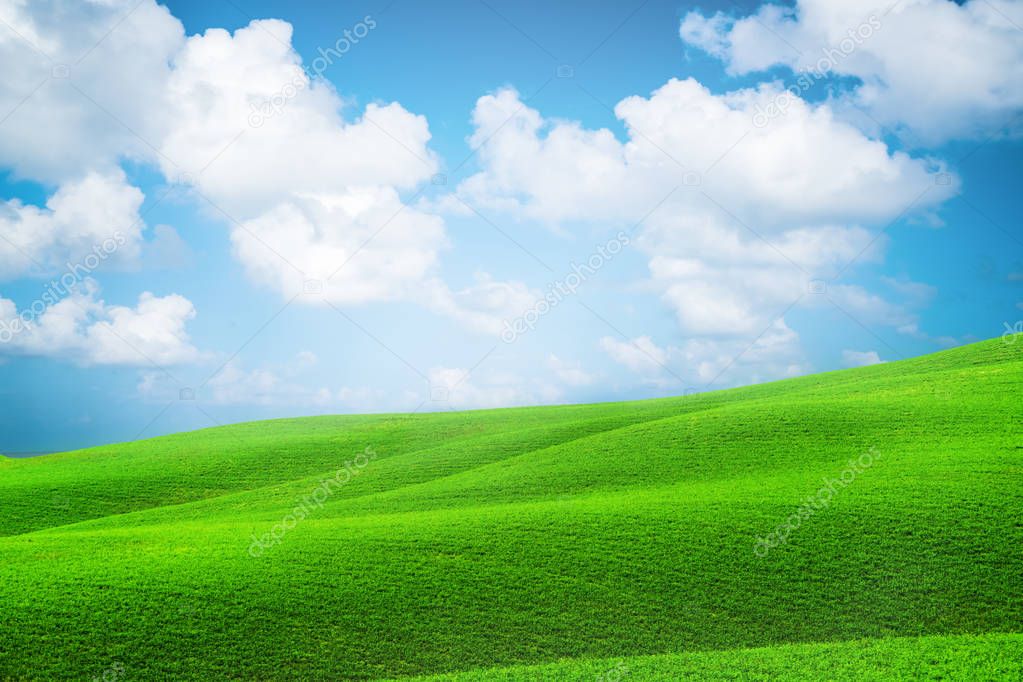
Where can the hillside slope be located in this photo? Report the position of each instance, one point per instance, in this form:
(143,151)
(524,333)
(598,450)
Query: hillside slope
(463,541)
(962,657)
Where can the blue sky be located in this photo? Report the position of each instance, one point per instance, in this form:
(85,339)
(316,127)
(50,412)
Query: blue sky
(366,246)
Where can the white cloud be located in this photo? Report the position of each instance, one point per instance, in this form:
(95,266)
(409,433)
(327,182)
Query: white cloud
(83,329)
(233,385)
(278,156)
(712,362)
(869,308)
(917,292)
(317,195)
(756,213)
(568,373)
(941,68)
(337,241)
(88,97)
(456,388)
(808,169)
(857,358)
(97,214)
(288,384)
(640,355)
(709,34)
(315,237)
(319,185)
(913,330)
(775,354)
(304,147)
(483,305)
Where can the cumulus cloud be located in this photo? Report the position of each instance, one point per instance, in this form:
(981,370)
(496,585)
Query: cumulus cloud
(739,219)
(336,242)
(81,96)
(86,222)
(336,239)
(808,169)
(309,187)
(314,189)
(84,329)
(304,145)
(312,194)
(940,68)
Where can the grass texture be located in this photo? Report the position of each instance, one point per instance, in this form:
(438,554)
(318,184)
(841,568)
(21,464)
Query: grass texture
(861,524)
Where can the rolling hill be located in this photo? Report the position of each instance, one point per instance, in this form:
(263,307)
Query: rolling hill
(859,524)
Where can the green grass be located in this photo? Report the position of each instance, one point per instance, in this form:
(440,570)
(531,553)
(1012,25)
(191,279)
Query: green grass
(577,536)
(962,657)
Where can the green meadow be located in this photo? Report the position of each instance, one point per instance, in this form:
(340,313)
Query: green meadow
(860,524)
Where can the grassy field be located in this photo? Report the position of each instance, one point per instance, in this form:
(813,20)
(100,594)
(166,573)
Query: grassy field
(960,657)
(860,524)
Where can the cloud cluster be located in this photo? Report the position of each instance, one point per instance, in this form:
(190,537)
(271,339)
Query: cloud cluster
(97,214)
(458,388)
(938,68)
(84,329)
(84,84)
(706,362)
(84,90)
(293,383)
(310,148)
(311,194)
(738,221)
(808,167)
(310,189)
